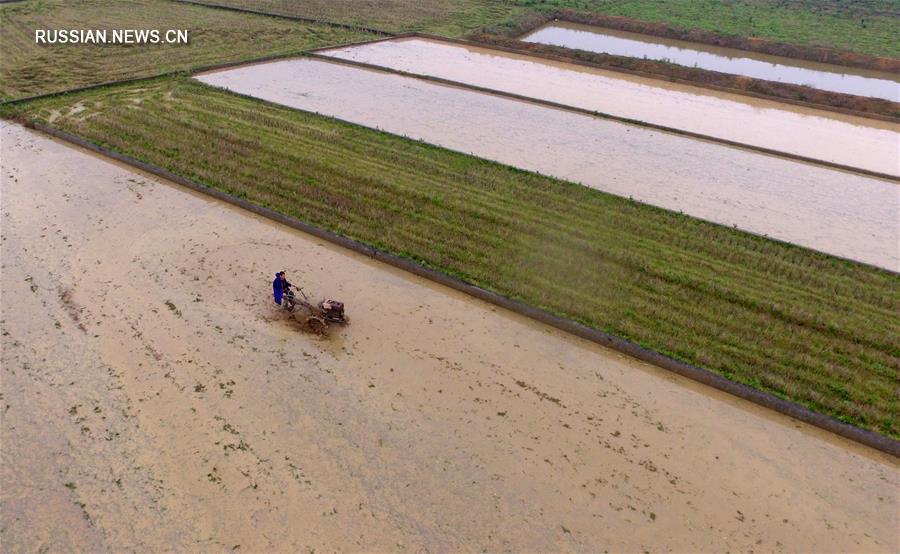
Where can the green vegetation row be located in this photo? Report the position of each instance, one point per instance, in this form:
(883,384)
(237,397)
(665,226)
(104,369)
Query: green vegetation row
(216,36)
(802,325)
(867,27)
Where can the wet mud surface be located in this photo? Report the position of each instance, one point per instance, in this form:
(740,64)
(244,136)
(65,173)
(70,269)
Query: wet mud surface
(847,140)
(154,398)
(862,82)
(832,211)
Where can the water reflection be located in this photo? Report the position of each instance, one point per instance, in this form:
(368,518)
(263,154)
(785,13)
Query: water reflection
(822,76)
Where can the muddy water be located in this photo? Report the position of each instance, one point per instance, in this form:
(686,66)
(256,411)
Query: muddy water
(862,82)
(817,134)
(837,212)
(154,399)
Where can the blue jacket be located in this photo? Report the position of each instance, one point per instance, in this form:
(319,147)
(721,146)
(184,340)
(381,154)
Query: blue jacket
(278,289)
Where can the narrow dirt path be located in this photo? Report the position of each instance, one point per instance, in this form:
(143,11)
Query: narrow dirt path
(154,399)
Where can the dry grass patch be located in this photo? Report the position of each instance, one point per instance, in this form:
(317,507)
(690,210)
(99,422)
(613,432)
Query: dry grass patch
(444,17)
(216,36)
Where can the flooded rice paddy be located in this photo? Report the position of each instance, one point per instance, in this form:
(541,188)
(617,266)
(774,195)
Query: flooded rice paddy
(837,212)
(155,400)
(835,78)
(818,134)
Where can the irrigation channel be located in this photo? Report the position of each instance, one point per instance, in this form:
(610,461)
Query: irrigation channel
(156,400)
(818,134)
(823,76)
(833,211)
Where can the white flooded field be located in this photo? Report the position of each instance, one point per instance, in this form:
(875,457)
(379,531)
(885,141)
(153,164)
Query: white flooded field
(156,400)
(841,213)
(835,78)
(821,135)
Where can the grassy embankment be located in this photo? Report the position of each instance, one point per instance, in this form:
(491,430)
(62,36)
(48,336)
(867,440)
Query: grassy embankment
(803,325)
(443,17)
(27,68)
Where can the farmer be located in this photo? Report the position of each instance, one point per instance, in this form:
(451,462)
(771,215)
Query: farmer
(280,287)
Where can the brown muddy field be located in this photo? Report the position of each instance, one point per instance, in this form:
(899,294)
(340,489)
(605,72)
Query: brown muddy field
(837,212)
(818,134)
(154,399)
